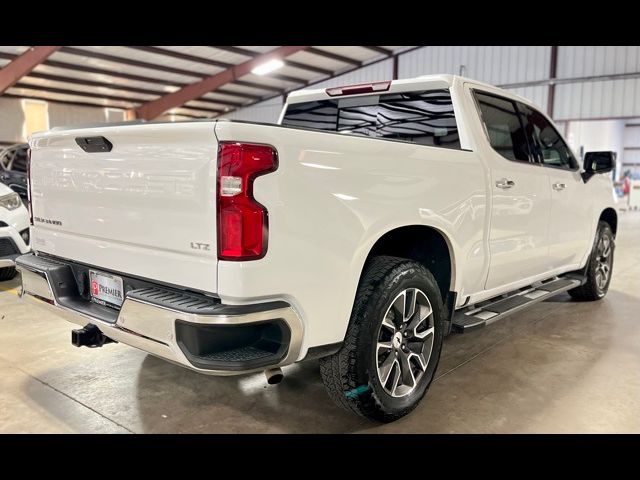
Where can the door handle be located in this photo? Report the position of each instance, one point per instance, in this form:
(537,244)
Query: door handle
(504,183)
(559,186)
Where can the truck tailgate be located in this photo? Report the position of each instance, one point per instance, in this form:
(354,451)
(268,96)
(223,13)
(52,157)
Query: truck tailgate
(146,208)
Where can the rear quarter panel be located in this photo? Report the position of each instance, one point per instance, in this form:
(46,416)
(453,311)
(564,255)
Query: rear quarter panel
(331,198)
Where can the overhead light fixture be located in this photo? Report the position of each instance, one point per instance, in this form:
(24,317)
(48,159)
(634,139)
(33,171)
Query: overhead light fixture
(268,67)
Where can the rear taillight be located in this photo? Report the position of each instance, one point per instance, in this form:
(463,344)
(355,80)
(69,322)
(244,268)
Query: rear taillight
(242,222)
(29,186)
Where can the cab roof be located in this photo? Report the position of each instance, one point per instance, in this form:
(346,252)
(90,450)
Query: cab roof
(437,81)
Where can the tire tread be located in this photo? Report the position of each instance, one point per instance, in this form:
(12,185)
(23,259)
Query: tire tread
(338,371)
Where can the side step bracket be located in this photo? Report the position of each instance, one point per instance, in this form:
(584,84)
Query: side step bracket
(489,311)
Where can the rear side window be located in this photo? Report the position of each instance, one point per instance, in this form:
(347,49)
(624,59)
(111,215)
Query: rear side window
(506,133)
(425,118)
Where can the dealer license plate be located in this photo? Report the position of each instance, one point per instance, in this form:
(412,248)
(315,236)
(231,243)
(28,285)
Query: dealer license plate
(106,289)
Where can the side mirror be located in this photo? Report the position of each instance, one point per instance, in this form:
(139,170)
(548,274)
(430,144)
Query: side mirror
(598,162)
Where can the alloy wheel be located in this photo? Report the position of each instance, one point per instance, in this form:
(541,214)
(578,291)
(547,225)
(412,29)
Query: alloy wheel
(405,342)
(604,259)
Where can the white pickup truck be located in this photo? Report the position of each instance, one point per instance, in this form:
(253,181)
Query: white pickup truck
(370,223)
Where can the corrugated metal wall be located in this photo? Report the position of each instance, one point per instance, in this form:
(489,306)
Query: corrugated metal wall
(12,118)
(67,115)
(631,157)
(267,112)
(492,64)
(507,65)
(11,121)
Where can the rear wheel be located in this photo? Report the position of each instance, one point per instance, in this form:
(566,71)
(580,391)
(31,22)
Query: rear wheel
(600,267)
(393,342)
(7,273)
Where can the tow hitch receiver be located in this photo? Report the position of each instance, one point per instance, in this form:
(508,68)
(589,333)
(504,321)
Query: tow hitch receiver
(89,336)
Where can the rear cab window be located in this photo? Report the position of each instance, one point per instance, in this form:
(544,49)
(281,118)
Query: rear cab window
(423,117)
(504,127)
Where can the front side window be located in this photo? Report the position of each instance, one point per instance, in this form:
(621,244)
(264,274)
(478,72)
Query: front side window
(425,118)
(505,130)
(545,140)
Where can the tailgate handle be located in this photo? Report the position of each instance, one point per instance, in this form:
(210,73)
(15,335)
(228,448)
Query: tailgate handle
(94,144)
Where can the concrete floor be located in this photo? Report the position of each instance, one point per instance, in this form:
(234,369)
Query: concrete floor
(561,366)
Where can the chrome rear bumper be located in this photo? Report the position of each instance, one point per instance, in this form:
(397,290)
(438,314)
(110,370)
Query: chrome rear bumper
(156,328)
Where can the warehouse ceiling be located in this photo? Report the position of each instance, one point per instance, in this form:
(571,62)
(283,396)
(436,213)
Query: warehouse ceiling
(142,79)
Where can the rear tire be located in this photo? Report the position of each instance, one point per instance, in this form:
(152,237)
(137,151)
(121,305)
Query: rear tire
(393,342)
(7,273)
(600,267)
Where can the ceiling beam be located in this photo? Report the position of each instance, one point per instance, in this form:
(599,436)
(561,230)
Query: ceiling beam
(235,93)
(111,73)
(334,56)
(182,56)
(310,68)
(155,66)
(285,78)
(76,93)
(91,104)
(157,107)
(260,86)
(290,63)
(131,62)
(127,88)
(93,83)
(132,100)
(21,65)
(381,50)
(141,78)
(67,102)
(238,51)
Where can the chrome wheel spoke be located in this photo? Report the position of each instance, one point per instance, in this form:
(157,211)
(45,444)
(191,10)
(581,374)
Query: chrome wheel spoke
(385,369)
(410,304)
(396,378)
(388,324)
(399,305)
(424,334)
(384,346)
(406,372)
(423,362)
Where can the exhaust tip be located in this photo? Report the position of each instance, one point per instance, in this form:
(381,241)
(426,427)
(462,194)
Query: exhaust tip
(274,376)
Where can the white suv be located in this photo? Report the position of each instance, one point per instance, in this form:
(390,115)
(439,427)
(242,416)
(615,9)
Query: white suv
(14,231)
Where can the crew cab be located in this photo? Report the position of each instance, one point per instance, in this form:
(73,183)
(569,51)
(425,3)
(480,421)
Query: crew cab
(371,222)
